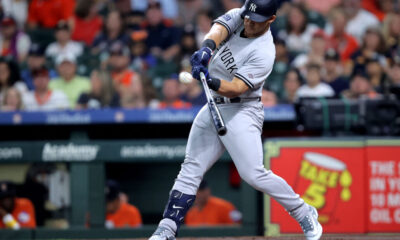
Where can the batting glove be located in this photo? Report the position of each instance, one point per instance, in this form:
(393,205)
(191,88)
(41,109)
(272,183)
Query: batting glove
(196,71)
(201,57)
(213,83)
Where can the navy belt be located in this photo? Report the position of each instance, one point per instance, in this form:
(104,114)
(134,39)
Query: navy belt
(223,100)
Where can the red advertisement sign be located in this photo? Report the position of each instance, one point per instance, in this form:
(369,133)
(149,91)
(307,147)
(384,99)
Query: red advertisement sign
(383,195)
(332,179)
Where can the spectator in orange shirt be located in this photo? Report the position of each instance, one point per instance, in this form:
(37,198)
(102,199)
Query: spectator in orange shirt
(380,8)
(15,213)
(127,83)
(86,23)
(211,211)
(119,214)
(171,91)
(48,13)
(341,41)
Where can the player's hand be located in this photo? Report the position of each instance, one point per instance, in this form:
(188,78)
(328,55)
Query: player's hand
(201,57)
(196,70)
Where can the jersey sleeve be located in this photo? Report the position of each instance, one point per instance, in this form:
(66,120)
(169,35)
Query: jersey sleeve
(255,71)
(230,20)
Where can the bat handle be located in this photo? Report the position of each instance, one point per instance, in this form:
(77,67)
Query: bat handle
(215,114)
(202,76)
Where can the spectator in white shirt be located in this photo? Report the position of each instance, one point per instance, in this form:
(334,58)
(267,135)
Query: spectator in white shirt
(314,86)
(17,9)
(42,98)
(63,43)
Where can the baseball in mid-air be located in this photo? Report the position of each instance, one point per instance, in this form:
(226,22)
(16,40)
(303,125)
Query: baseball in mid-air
(185,77)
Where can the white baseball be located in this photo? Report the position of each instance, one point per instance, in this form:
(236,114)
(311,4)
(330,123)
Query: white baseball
(185,77)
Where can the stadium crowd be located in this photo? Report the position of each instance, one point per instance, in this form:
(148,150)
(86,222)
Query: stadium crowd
(89,54)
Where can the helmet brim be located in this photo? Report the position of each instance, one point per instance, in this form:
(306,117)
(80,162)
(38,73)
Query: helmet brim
(252,15)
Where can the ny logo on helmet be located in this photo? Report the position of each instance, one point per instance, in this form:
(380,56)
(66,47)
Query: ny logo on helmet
(253,7)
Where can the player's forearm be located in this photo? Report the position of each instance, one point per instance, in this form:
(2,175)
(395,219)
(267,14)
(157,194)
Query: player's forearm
(231,89)
(217,33)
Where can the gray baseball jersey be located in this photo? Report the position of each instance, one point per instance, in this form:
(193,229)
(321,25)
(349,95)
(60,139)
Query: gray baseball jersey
(249,59)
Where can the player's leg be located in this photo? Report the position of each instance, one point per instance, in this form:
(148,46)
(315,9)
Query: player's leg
(243,142)
(202,150)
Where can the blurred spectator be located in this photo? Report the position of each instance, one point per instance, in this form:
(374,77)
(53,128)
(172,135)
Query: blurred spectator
(360,86)
(188,45)
(113,31)
(394,74)
(86,22)
(35,60)
(63,44)
(15,212)
(230,4)
(36,191)
(17,9)
(299,31)
(46,14)
(314,86)
(359,20)
(316,53)
(12,100)
(126,82)
(292,83)
(13,43)
(188,10)
(122,6)
(119,214)
(268,98)
(322,7)
(164,37)
(169,7)
(42,98)
(134,20)
(171,95)
(68,81)
(10,77)
(204,21)
(373,46)
(193,93)
(101,92)
(142,59)
(380,8)
(281,66)
(333,72)
(376,73)
(344,43)
(209,210)
(391,33)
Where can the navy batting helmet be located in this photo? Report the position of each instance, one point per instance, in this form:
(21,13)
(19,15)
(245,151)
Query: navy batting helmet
(259,10)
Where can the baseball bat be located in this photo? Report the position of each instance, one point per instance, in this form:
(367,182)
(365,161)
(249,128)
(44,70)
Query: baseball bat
(212,106)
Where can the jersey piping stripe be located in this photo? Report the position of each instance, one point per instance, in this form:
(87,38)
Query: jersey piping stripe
(248,83)
(225,25)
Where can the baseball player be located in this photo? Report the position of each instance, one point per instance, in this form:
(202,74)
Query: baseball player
(236,56)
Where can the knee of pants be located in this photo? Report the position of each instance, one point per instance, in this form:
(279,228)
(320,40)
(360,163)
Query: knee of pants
(253,177)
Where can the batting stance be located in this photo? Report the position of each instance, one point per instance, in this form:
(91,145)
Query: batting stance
(237,56)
